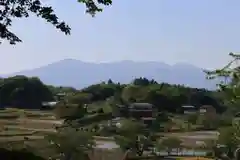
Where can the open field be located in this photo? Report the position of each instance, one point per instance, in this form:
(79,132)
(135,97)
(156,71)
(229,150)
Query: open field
(15,124)
(18,128)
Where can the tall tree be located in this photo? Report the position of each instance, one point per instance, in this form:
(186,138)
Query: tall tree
(71,144)
(230,87)
(229,77)
(132,137)
(21,91)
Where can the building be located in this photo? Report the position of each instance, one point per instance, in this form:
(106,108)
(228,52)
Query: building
(208,110)
(142,111)
(203,110)
(48,105)
(188,109)
(60,96)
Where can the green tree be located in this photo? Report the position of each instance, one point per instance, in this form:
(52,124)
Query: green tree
(229,77)
(230,87)
(101,92)
(133,93)
(69,111)
(131,137)
(71,144)
(230,138)
(209,123)
(168,97)
(79,98)
(192,118)
(55,89)
(20,91)
(12,9)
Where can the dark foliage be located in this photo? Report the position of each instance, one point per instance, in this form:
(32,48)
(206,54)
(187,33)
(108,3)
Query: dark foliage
(18,155)
(20,91)
(15,9)
(23,92)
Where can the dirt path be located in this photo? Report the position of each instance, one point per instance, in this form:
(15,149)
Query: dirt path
(41,121)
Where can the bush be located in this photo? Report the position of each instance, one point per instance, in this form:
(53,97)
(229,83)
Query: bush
(80,98)
(163,117)
(192,118)
(209,154)
(95,118)
(69,111)
(208,123)
(100,111)
(226,120)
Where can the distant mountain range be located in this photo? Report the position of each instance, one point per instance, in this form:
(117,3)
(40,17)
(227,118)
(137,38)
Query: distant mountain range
(78,74)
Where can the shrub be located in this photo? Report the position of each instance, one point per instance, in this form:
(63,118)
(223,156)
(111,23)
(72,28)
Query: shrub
(69,111)
(95,118)
(226,120)
(192,118)
(100,110)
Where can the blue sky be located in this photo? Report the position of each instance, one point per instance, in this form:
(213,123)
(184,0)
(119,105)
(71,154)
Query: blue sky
(199,32)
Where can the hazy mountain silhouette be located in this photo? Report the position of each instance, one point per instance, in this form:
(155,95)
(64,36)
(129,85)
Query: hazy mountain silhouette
(70,72)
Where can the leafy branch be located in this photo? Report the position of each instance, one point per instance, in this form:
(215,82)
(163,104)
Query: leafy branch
(229,77)
(10,9)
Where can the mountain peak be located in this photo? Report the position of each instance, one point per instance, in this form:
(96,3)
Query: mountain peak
(79,74)
(68,60)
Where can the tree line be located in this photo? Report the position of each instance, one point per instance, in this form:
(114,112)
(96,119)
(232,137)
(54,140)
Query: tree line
(30,92)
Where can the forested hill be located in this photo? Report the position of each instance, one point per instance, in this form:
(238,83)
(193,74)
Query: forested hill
(24,92)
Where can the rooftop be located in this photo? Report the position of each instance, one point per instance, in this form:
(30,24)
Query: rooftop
(49,103)
(61,94)
(188,106)
(141,105)
(205,106)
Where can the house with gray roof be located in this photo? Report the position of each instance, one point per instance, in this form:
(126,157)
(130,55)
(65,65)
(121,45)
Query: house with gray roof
(142,111)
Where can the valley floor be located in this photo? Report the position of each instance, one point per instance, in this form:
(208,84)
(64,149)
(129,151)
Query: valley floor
(20,124)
